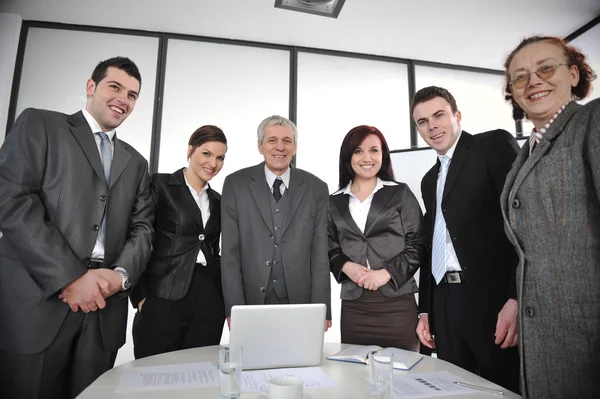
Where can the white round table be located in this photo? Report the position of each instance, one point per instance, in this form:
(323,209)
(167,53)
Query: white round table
(350,378)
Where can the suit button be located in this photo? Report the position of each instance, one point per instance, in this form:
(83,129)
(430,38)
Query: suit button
(276,246)
(95,227)
(276,228)
(262,289)
(268,263)
(274,280)
(529,311)
(103,198)
(87,261)
(516,203)
(277,210)
(275,262)
(270,236)
(201,237)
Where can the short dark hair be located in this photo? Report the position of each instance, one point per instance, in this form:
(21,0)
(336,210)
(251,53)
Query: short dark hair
(574,57)
(431,92)
(205,134)
(351,142)
(122,63)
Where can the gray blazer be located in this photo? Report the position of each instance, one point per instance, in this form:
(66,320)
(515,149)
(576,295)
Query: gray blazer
(247,231)
(53,195)
(393,238)
(551,210)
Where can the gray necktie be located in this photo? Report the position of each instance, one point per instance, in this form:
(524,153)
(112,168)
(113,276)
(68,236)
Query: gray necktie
(276,190)
(106,157)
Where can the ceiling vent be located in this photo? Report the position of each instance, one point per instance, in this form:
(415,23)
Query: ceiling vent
(324,8)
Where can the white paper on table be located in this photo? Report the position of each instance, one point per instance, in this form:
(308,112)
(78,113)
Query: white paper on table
(313,377)
(426,385)
(174,376)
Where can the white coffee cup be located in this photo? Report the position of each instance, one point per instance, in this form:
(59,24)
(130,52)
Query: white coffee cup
(284,387)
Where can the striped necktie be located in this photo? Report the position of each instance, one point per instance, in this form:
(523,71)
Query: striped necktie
(438,253)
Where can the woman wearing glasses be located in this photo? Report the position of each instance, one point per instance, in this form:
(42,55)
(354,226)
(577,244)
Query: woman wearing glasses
(376,244)
(179,297)
(551,208)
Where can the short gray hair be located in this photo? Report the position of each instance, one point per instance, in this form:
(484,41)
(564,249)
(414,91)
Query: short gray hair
(276,120)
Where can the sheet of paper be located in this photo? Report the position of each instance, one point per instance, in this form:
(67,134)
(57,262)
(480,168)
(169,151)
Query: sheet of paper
(426,385)
(313,377)
(189,375)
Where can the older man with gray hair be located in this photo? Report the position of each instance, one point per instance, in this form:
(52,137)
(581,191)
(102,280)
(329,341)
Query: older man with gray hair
(274,226)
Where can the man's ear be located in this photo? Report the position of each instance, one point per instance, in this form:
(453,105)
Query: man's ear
(90,87)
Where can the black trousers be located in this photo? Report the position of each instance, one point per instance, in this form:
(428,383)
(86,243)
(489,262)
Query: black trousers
(464,335)
(70,364)
(196,320)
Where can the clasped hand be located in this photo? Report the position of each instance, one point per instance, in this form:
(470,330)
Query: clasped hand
(365,277)
(89,291)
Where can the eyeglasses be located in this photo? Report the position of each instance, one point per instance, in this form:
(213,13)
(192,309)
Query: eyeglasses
(544,72)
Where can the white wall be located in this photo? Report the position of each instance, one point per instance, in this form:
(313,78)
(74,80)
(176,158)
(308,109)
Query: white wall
(10,29)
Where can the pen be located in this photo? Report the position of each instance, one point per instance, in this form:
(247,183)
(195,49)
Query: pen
(480,388)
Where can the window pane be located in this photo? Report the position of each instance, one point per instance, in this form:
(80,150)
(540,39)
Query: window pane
(336,94)
(479,97)
(232,87)
(58,63)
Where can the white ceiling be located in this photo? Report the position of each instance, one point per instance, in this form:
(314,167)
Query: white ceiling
(464,32)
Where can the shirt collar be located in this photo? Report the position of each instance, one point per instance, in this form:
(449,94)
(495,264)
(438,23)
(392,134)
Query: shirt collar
(270,176)
(95,127)
(378,186)
(547,125)
(450,152)
(203,191)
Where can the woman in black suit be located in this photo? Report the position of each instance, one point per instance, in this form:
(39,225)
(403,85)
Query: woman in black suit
(376,244)
(179,297)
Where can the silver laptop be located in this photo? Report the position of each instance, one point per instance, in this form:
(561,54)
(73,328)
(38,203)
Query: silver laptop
(275,336)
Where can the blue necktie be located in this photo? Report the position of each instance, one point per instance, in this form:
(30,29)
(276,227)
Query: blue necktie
(106,164)
(438,253)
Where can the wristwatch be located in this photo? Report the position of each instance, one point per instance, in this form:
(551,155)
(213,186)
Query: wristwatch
(126,282)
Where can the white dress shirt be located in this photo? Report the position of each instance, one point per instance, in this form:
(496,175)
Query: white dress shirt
(201,199)
(98,251)
(452,264)
(360,210)
(285,177)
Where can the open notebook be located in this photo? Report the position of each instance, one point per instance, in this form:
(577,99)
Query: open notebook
(403,360)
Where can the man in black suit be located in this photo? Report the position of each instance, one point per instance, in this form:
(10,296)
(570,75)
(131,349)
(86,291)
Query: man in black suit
(76,217)
(468,287)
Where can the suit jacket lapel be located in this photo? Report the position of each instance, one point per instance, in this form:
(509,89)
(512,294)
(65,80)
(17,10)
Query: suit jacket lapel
(211,223)
(380,200)
(341,202)
(295,195)
(260,192)
(84,136)
(461,154)
(526,162)
(121,157)
(182,194)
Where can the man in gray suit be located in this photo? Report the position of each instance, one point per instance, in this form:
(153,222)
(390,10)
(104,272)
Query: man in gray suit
(76,217)
(274,226)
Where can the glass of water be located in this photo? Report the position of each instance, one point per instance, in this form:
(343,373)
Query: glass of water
(230,371)
(381,369)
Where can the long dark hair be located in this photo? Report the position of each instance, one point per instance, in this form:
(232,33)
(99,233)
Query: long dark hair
(351,143)
(573,56)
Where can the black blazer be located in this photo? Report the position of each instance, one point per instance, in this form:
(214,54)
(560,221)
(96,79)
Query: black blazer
(179,236)
(394,239)
(471,206)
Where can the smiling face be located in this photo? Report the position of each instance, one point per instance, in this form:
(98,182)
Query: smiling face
(111,100)
(541,99)
(205,162)
(366,158)
(436,123)
(278,148)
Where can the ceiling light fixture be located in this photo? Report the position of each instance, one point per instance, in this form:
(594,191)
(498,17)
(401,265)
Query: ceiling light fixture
(324,8)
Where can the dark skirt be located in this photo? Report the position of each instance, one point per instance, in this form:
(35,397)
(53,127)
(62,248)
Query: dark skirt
(374,319)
